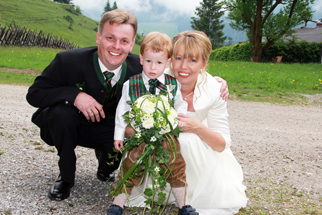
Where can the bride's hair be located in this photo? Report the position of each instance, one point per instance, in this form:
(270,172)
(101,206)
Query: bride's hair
(197,46)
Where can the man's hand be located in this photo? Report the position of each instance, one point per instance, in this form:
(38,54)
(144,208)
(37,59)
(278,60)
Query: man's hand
(91,109)
(118,144)
(224,88)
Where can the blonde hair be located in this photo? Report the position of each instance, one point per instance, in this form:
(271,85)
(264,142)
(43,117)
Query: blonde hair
(157,42)
(196,44)
(118,16)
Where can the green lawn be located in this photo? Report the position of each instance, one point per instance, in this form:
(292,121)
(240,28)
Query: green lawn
(268,82)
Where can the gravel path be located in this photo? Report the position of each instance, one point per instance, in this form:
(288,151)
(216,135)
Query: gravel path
(279,148)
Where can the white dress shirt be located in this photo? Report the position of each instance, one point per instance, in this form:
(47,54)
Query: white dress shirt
(117,72)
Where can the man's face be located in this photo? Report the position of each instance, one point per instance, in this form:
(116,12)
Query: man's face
(114,44)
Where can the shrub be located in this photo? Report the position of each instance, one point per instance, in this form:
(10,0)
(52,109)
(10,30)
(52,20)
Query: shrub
(302,52)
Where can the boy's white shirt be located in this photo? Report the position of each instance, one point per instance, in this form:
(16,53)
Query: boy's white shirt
(120,125)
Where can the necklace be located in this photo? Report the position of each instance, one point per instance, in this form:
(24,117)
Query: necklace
(185,98)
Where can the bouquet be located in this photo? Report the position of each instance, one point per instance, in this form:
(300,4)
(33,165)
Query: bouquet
(153,118)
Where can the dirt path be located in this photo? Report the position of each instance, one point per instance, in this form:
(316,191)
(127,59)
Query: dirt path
(279,148)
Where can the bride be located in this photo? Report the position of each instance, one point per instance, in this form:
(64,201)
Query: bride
(214,176)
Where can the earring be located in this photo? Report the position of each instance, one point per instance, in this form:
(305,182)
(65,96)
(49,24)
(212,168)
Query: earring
(200,70)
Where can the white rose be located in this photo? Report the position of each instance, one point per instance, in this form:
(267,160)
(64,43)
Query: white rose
(148,122)
(164,100)
(172,116)
(148,107)
(139,101)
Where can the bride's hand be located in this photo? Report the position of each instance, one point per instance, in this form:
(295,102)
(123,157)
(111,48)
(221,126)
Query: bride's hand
(188,124)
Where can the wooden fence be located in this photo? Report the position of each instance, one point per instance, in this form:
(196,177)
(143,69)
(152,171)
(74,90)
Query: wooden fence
(16,36)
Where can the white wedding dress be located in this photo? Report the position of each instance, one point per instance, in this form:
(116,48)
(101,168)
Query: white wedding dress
(214,178)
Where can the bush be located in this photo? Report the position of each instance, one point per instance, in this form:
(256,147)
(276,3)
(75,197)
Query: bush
(71,9)
(138,39)
(302,52)
(69,19)
(237,52)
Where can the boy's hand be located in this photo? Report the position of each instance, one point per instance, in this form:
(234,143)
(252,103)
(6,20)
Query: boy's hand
(118,144)
(129,131)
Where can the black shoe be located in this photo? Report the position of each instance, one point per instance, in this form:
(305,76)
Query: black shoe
(102,176)
(114,210)
(60,190)
(187,210)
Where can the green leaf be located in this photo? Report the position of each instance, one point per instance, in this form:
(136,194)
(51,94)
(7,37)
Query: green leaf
(148,192)
(177,131)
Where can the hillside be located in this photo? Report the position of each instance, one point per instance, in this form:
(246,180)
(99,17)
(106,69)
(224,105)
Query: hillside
(49,16)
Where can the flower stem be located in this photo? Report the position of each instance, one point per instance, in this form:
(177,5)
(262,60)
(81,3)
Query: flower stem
(129,173)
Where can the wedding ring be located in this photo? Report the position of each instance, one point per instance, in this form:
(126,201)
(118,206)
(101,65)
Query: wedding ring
(89,112)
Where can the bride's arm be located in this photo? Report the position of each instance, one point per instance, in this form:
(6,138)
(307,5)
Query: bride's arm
(215,140)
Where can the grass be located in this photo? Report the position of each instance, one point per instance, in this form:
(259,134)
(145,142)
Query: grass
(277,83)
(266,82)
(48,16)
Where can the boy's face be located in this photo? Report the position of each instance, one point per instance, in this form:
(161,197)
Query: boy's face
(154,63)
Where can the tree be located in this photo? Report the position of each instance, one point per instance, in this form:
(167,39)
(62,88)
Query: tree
(229,42)
(208,21)
(114,6)
(108,7)
(259,18)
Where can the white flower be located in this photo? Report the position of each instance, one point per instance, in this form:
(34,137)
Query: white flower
(147,122)
(138,135)
(148,107)
(160,118)
(172,116)
(156,186)
(139,101)
(157,169)
(153,139)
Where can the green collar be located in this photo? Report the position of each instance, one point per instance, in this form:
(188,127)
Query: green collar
(100,74)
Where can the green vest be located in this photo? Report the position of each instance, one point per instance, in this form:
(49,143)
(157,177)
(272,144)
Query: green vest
(137,87)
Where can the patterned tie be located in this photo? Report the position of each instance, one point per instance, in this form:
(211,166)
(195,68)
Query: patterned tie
(161,86)
(109,76)
(152,83)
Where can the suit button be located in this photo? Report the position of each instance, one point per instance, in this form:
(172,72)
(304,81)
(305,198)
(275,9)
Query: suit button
(102,91)
(66,102)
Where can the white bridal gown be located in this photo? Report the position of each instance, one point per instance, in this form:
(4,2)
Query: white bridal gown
(214,178)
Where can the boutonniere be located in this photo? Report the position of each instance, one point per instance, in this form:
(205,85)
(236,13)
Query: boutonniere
(169,93)
(81,86)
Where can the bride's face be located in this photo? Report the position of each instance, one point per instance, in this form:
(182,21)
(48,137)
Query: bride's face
(186,70)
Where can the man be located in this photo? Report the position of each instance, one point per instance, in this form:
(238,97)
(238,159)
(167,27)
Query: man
(77,105)
(77,102)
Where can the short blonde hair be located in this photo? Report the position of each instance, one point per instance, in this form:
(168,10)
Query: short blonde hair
(196,44)
(118,16)
(157,42)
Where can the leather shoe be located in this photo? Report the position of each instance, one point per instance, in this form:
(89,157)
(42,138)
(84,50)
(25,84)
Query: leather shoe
(187,210)
(114,210)
(102,176)
(60,190)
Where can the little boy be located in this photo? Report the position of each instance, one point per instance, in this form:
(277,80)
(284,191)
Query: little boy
(156,52)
